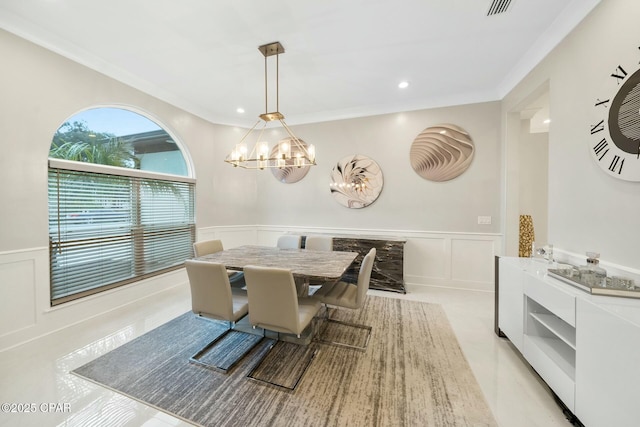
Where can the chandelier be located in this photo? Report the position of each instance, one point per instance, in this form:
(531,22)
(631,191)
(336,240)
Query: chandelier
(289,152)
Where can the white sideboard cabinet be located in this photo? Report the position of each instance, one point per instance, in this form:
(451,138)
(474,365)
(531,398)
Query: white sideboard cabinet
(585,347)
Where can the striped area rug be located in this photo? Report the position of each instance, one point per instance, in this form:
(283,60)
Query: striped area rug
(412,374)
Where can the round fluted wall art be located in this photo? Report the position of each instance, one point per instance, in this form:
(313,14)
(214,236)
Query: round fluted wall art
(441,152)
(356,181)
(289,173)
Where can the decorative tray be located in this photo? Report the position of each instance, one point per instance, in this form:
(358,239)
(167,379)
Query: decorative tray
(611,287)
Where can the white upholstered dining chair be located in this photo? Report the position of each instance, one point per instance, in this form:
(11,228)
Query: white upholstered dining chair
(206,247)
(274,305)
(319,243)
(212,298)
(348,295)
(289,241)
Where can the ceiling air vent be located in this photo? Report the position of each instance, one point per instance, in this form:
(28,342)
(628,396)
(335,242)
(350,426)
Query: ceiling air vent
(498,6)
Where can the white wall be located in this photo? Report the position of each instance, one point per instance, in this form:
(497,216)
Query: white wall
(588,210)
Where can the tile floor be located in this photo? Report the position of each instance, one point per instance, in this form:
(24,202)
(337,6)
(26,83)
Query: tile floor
(37,373)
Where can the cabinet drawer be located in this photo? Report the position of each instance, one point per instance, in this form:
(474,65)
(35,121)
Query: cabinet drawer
(558,302)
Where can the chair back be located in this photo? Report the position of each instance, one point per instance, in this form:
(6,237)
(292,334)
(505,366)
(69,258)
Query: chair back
(207,247)
(364,277)
(319,243)
(273,300)
(289,241)
(210,290)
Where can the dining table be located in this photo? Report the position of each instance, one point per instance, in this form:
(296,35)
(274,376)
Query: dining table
(304,263)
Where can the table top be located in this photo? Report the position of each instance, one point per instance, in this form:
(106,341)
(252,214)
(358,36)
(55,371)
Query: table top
(322,265)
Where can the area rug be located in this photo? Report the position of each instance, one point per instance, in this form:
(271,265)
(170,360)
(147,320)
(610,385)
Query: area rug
(413,373)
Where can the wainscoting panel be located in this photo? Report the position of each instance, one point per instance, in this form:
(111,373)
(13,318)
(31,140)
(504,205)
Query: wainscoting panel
(18,293)
(426,257)
(455,260)
(471,261)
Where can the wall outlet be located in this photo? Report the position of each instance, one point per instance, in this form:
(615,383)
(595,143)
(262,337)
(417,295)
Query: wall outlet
(484,220)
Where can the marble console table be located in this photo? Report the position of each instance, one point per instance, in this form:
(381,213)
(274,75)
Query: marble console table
(387,273)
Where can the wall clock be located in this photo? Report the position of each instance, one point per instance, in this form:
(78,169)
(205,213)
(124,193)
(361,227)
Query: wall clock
(615,135)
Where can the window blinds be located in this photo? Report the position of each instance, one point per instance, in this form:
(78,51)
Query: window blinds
(106,230)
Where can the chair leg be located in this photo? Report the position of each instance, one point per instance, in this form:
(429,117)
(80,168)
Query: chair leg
(280,386)
(353,325)
(195,359)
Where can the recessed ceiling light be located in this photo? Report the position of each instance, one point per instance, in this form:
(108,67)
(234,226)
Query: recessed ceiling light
(547,121)
(403,85)
(240,110)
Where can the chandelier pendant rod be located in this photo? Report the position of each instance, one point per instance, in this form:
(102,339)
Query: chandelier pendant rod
(296,140)
(266,87)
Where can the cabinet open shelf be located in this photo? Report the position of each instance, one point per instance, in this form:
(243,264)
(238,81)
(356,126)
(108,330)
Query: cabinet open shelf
(554,337)
(558,327)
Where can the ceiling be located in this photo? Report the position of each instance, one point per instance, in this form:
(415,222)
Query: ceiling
(342,58)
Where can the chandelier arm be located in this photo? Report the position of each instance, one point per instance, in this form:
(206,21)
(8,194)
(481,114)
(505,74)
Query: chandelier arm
(296,140)
(249,132)
(254,154)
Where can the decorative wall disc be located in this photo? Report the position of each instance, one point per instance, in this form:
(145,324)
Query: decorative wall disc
(441,152)
(356,181)
(289,174)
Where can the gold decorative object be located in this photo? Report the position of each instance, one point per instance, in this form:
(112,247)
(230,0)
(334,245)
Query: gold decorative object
(527,236)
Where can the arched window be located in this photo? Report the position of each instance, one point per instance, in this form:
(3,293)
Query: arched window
(121,203)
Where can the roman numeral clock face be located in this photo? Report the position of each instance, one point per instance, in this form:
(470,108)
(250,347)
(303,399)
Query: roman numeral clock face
(615,133)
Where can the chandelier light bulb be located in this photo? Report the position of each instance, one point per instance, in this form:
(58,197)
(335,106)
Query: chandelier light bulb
(285,150)
(263,150)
